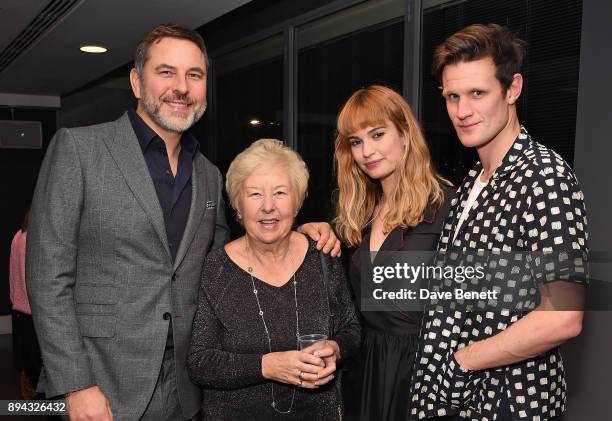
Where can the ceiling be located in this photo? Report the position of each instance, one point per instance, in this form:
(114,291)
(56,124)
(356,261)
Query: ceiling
(53,65)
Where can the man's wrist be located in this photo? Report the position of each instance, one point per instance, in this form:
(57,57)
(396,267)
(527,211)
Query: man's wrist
(78,390)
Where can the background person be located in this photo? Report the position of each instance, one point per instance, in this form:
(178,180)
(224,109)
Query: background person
(390,199)
(260,292)
(25,345)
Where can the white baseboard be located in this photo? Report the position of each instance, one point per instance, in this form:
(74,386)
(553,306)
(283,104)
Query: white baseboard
(6,327)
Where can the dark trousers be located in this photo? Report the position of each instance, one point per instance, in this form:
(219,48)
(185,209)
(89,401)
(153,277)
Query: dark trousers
(164,404)
(26,352)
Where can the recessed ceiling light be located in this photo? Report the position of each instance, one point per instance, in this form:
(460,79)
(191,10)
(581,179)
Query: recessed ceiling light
(254,122)
(94,49)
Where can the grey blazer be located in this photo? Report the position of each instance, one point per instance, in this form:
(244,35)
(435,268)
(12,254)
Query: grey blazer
(99,270)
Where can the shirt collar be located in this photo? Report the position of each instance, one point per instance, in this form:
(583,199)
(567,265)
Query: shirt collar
(145,134)
(520,146)
(190,144)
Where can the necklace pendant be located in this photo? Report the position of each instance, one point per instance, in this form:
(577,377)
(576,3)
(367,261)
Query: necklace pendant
(261,314)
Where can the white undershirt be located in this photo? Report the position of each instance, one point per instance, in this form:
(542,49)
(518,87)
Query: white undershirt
(474,193)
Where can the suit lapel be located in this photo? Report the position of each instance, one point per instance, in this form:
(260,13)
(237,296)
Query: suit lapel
(198,207)
(125,150)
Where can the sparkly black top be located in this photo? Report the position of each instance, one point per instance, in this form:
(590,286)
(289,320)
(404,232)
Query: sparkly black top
(229,339)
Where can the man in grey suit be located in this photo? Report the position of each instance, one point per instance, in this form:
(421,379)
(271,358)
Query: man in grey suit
(123,216)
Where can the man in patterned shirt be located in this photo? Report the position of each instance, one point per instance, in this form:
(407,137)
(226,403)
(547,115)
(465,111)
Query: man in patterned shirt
(520,215)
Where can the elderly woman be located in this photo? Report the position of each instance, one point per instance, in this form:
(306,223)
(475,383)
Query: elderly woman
(263,291)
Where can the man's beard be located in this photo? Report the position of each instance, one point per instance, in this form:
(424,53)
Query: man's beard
(155,112)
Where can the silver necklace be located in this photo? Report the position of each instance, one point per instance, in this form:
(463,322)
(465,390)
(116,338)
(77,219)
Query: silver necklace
(261,314)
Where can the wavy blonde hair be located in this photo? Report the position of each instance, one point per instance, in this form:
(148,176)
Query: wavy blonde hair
(418,183)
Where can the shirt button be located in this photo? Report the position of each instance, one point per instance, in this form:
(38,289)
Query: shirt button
(166,316)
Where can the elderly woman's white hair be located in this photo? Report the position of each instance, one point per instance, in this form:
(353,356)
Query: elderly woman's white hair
(267,153)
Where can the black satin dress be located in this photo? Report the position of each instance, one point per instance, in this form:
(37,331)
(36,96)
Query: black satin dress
(377,385)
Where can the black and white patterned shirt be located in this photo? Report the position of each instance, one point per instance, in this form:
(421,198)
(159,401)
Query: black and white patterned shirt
(526,228)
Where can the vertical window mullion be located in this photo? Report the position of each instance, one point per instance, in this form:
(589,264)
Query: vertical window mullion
(412,55)
(290,87)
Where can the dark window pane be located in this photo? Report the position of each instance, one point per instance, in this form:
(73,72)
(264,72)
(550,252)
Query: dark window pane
(248,104)
(328,73)
(248,98)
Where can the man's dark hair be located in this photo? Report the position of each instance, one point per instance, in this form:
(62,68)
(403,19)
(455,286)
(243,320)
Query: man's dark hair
(165,31)
(476,42)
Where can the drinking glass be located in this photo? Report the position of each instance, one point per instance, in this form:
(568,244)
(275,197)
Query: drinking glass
(316,340)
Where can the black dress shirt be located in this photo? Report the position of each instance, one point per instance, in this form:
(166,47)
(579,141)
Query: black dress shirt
(173,192)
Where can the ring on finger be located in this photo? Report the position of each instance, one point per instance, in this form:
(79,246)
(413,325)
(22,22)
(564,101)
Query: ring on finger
(301,375)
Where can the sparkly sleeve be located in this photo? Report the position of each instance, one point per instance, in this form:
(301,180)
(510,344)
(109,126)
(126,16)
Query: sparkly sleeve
(209,365)
(347,330)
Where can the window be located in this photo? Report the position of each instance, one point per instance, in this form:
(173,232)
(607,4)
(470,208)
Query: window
(291,85)
(248,98)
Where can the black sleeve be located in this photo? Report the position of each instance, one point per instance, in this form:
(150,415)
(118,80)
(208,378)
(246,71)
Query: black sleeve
(209,365)
(347,330)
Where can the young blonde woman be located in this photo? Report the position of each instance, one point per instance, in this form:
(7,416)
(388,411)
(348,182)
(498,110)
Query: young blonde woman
(390,199)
